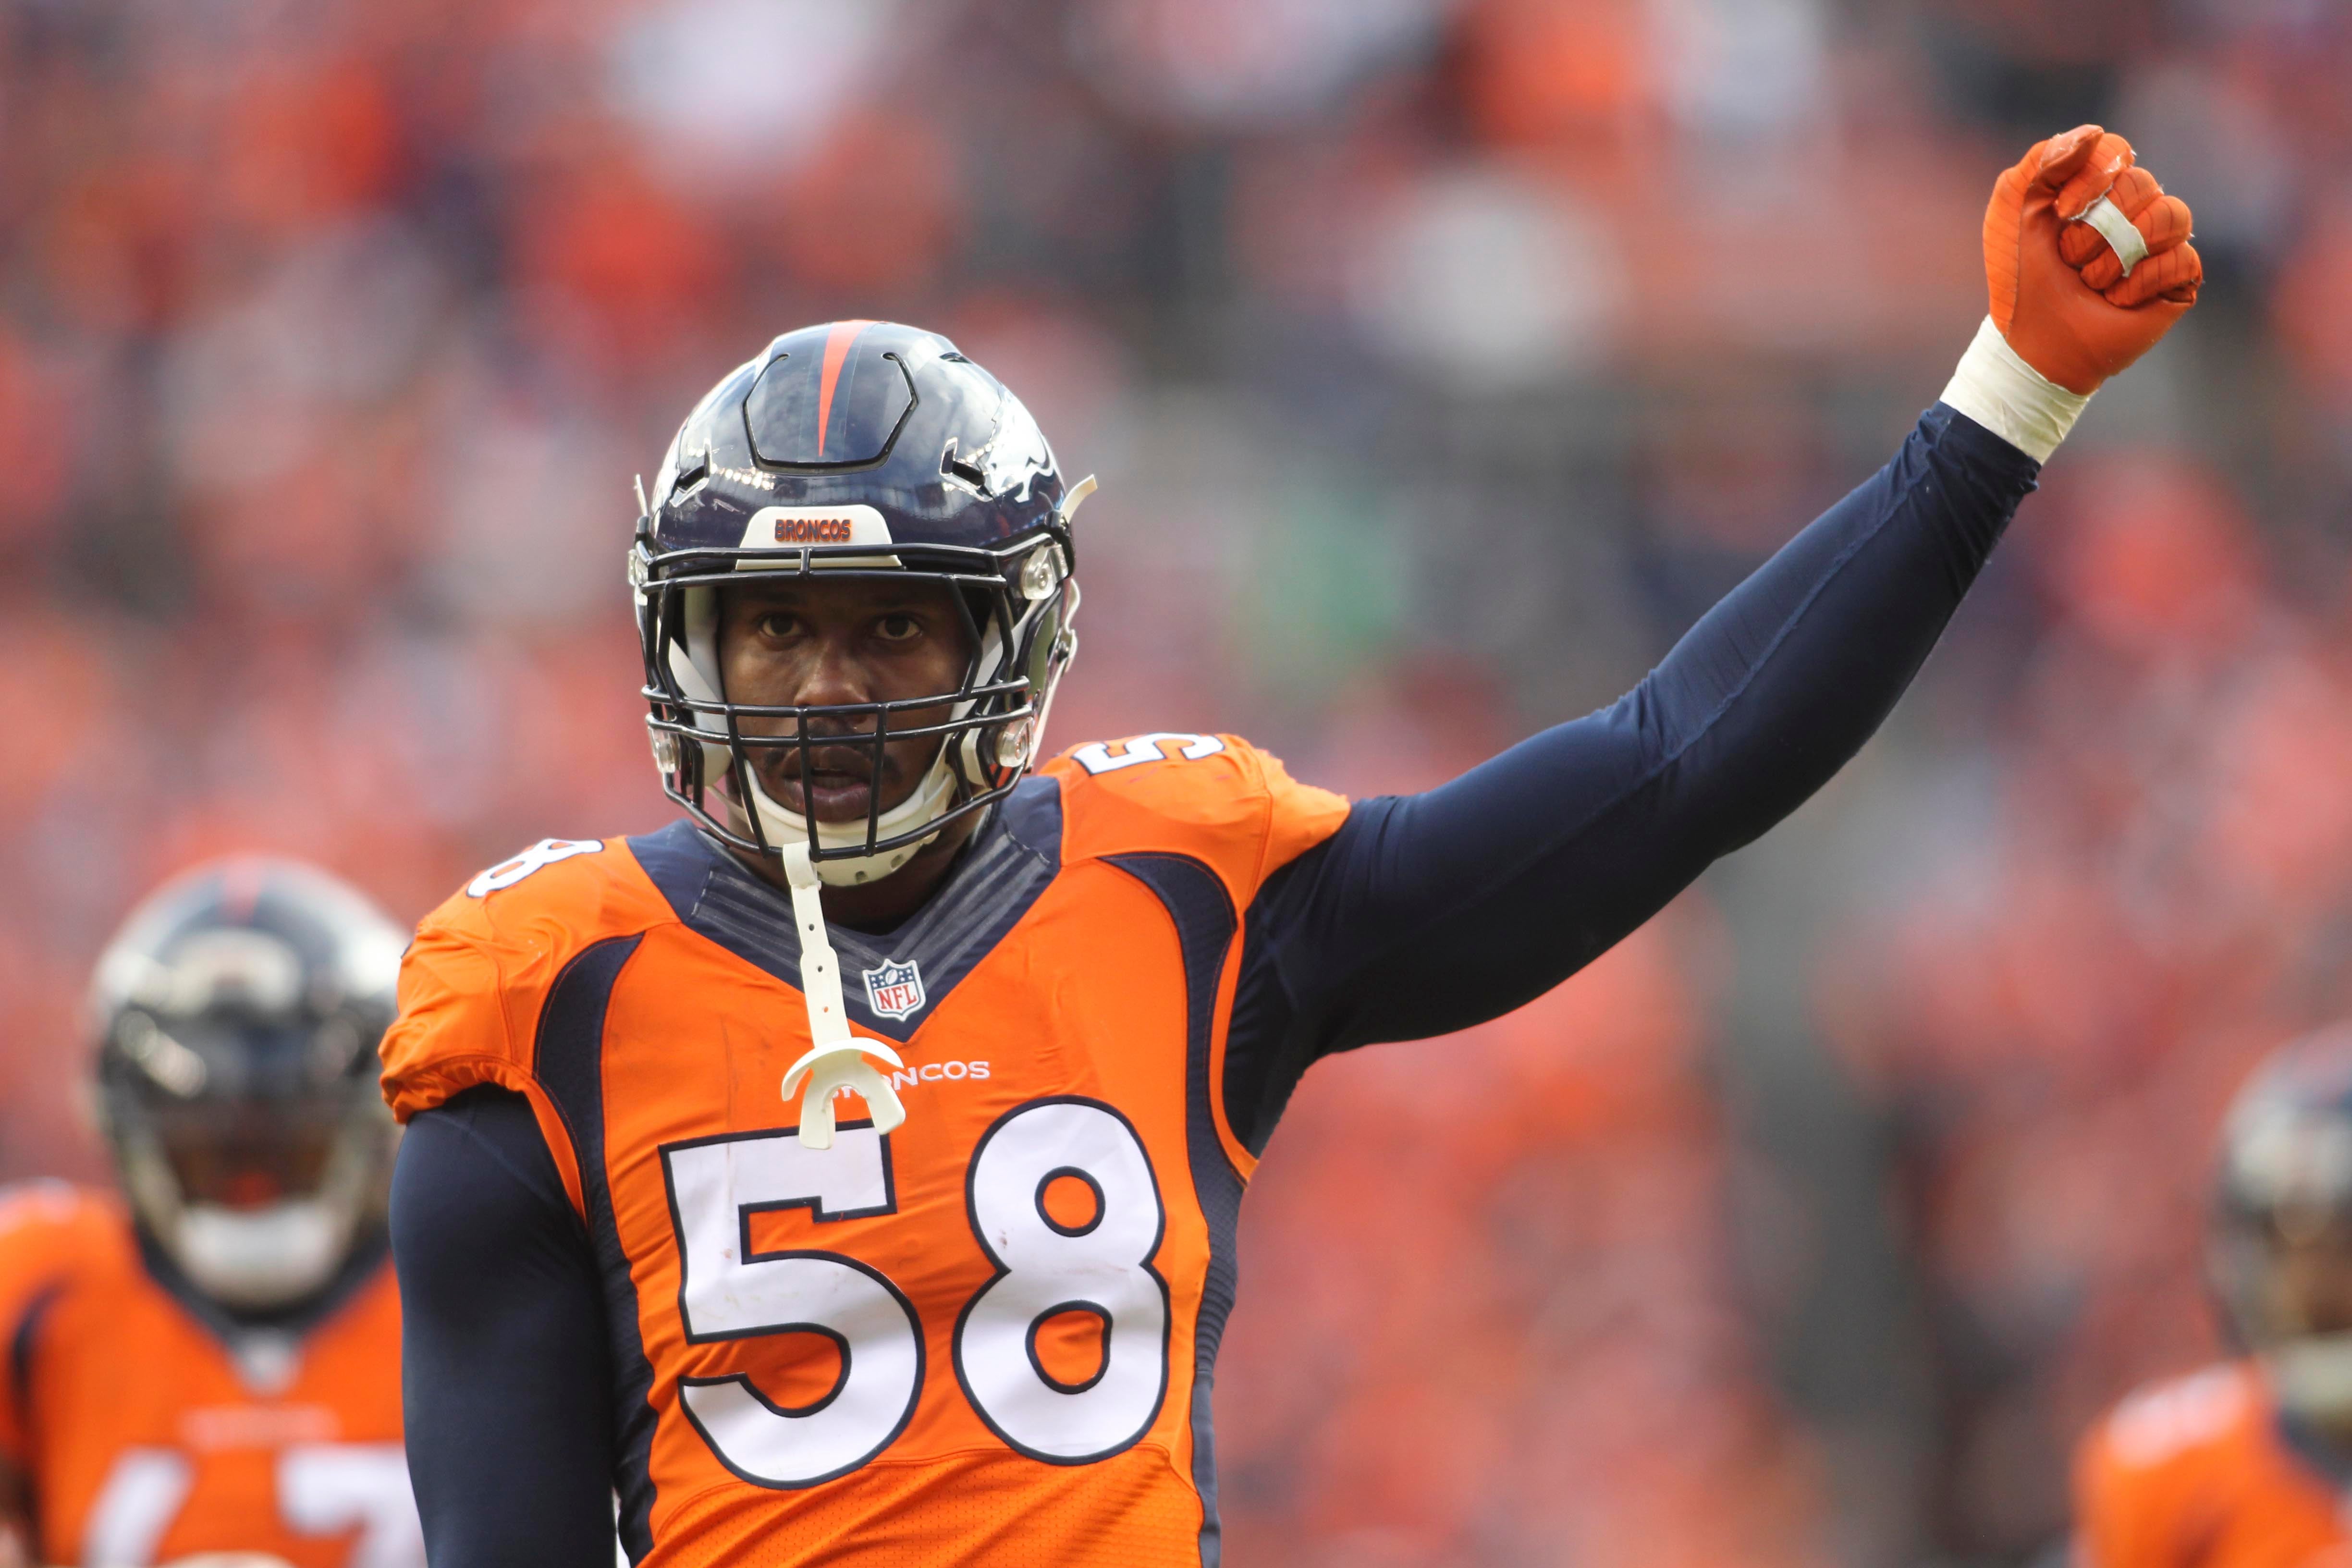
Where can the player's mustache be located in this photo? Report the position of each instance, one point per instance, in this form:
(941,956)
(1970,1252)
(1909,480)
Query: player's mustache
(822,758)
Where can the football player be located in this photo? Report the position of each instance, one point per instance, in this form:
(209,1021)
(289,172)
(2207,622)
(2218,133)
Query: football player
(2245,1465)
(847,1172)
(210,1365)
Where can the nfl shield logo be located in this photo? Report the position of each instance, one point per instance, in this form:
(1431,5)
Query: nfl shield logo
(895,990)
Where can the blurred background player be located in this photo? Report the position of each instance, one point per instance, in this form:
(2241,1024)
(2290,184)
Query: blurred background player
(2246,1464)
(213,1366)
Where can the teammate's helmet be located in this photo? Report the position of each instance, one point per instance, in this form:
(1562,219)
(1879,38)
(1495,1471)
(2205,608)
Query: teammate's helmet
(237,1014)
(2279,1245)
(856,449)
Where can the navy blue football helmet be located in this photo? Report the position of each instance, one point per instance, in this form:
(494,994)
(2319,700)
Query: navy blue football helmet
(237,1014)
(2279,1238)
(855,450)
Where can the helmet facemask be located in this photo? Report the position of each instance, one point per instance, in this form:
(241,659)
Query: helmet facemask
(1016,604)
(237,1078)
(258,1203)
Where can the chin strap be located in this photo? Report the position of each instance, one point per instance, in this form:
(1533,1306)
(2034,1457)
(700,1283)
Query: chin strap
(835,1060)
(2312,1376)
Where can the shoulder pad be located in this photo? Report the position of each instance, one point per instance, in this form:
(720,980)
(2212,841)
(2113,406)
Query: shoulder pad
(558,888)
(474,979)
(53,1237)
(1214,798)
(1168,775)
(50,1227)
(2162,1421)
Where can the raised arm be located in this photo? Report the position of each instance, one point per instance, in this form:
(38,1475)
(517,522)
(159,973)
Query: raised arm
(1431,912)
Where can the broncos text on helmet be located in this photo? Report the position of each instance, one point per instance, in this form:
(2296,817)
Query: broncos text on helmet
(237,1014)
(852,450)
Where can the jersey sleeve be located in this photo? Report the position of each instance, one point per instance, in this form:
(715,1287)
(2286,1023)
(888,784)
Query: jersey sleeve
(2117,1517)
(1425,914)
(474,981)
(1298,817)
(2145,1474)
(49,1231)
(452,1034)
(1217,799)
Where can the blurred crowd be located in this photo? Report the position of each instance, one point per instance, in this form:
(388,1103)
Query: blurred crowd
(2155,890)
(1440,360)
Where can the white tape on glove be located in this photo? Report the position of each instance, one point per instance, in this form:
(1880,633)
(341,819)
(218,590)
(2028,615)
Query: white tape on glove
(2130,244)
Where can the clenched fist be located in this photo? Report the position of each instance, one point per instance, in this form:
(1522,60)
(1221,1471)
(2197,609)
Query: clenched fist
(2067,300)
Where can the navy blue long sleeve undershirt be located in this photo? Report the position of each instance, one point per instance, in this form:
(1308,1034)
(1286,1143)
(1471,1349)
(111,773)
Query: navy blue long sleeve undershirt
(509,1406)
(1513,877)
(1503,883)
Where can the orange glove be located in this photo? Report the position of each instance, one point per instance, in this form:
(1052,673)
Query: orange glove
(2059,294)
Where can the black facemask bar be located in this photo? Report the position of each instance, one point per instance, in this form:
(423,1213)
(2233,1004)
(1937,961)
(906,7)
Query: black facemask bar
(1003,689)
(266,1108)
(247,1153)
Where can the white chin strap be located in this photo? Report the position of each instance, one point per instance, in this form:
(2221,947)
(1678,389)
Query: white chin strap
(835,1060)
(791,829)
(2312,1376)
(262,1257)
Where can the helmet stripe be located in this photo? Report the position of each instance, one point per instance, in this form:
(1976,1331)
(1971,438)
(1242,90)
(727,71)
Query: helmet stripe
(838,341)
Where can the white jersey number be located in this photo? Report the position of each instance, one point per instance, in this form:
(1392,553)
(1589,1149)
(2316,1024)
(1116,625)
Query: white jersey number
(328,1489)
(1096,758)
(323,1489)
(538,858)
(1099,1267)
(732,1292)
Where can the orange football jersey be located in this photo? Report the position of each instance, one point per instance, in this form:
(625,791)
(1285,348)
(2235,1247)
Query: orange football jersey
(145,1437)
(986,1334)
(2196,1472)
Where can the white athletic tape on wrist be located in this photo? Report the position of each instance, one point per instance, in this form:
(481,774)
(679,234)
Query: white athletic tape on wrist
(2000,390)
(2130,246)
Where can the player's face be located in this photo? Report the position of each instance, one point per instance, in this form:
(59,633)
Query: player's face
(2314,1280)
(799,643)
(248,1155)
